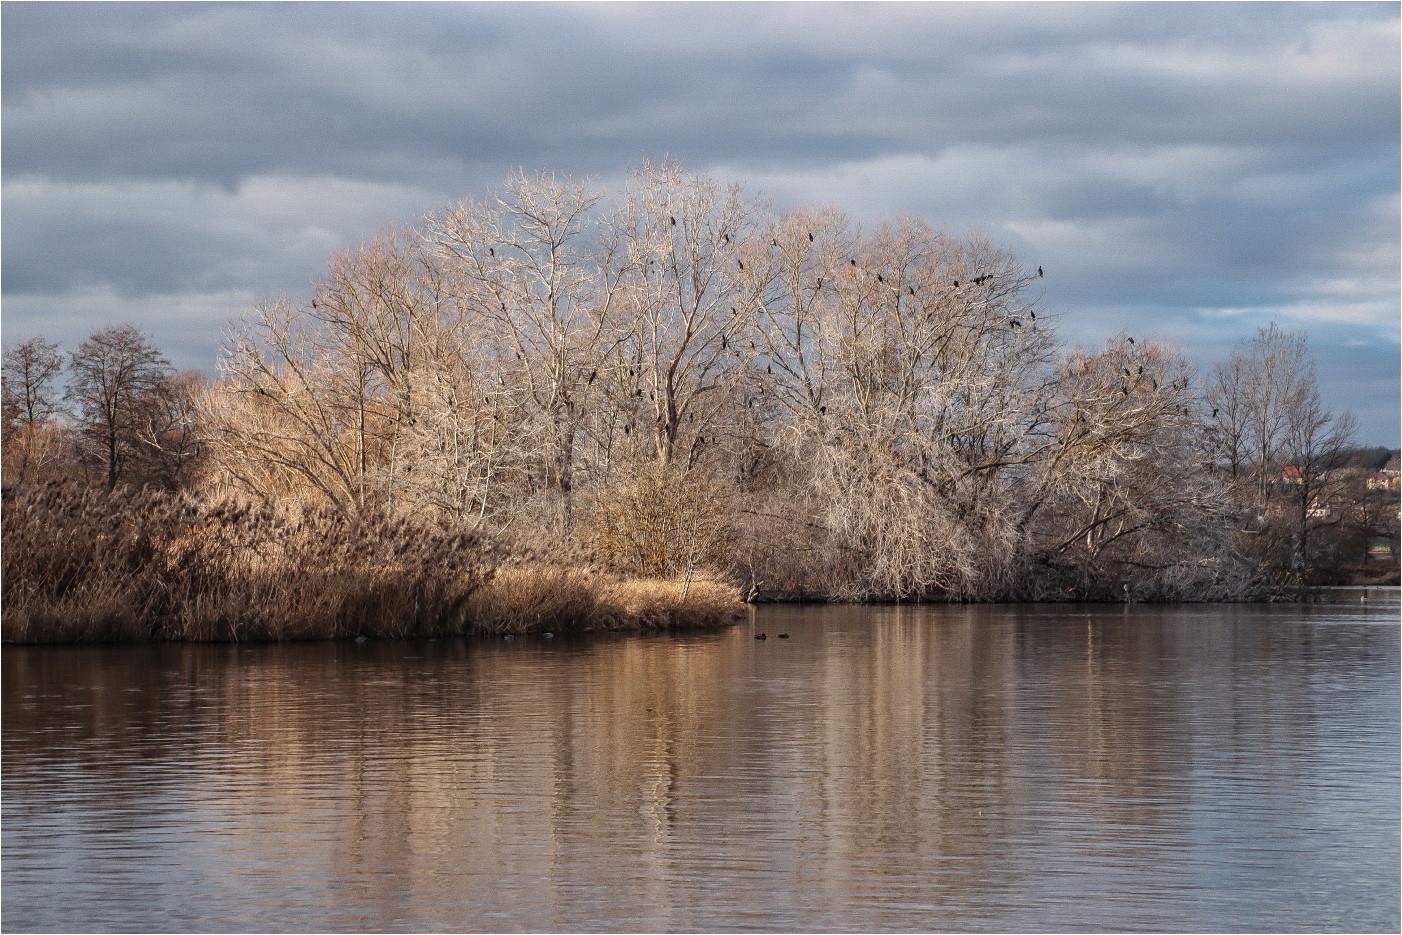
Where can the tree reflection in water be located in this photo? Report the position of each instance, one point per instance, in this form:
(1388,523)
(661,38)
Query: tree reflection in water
(917,768)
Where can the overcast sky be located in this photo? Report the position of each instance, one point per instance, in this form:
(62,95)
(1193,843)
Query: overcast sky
(1185,171)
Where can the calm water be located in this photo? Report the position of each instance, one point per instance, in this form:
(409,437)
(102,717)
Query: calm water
(1028,767)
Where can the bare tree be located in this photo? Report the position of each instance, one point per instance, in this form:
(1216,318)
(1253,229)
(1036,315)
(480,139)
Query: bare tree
(295,413)
(379,398)
(537,272)
(114,372)
(30,401)
(684,299)
(1273,430)
(1124,499)
(167,428)
(1251,396)
(907,366)
(1312,442)
(30,396)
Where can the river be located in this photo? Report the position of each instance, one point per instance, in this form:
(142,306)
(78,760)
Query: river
(984,768)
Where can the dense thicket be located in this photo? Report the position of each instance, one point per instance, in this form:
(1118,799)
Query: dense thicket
(82,563)
(674,380)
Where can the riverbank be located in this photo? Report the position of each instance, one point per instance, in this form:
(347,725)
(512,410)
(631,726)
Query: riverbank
(84,566)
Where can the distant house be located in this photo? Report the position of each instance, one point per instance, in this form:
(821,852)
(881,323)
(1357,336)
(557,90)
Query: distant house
(1384,480)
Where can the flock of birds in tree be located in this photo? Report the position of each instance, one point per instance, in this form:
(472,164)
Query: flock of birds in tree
(979,280)
(1136,376)
(1013,323)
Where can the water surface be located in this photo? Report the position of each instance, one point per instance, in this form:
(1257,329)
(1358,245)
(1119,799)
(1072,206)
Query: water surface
(1020,767)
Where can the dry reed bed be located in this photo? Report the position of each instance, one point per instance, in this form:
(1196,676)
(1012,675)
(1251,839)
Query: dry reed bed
(537,598)
(83,565)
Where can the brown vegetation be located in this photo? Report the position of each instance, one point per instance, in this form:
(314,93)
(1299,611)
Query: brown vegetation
(550,598)
(638,397)
(84,565)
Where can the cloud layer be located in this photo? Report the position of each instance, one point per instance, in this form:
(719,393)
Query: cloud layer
(1188,170)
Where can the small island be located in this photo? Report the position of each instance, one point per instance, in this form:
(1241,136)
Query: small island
(561,409)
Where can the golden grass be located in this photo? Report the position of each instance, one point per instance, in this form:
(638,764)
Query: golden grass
(538,598)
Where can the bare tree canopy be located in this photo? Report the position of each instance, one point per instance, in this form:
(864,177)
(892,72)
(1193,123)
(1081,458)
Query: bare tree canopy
(1278,442)
(114,375)
(28,377)
(32,440)
(673,376)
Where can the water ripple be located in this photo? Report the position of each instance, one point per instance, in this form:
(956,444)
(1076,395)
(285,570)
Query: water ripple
(957,769)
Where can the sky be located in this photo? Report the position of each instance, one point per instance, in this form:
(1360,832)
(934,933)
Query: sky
(1190,172)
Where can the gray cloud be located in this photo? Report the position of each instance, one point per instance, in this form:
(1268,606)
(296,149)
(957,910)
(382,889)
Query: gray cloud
(1204,167)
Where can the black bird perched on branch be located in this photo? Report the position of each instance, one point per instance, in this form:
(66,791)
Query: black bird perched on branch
(912,289)
(592,375)
(1039,271)
(725,237)
(1141,371)
(1014,323)
(1131,340)
(673,219)
(878,278)
(1125,390)
(956,284)
(1126,371)
(1034,315)
(491,251)
(775,243)
(1214,413)
(742,263)
(722,342)
(820,282)
(810,236)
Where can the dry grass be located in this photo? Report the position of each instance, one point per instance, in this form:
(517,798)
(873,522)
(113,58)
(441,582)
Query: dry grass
(82,565)
(538,598)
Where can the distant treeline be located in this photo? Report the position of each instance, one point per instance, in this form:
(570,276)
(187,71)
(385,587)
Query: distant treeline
(674,381)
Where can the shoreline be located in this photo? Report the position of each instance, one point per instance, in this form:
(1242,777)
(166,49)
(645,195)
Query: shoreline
(87,566)
(711,606)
